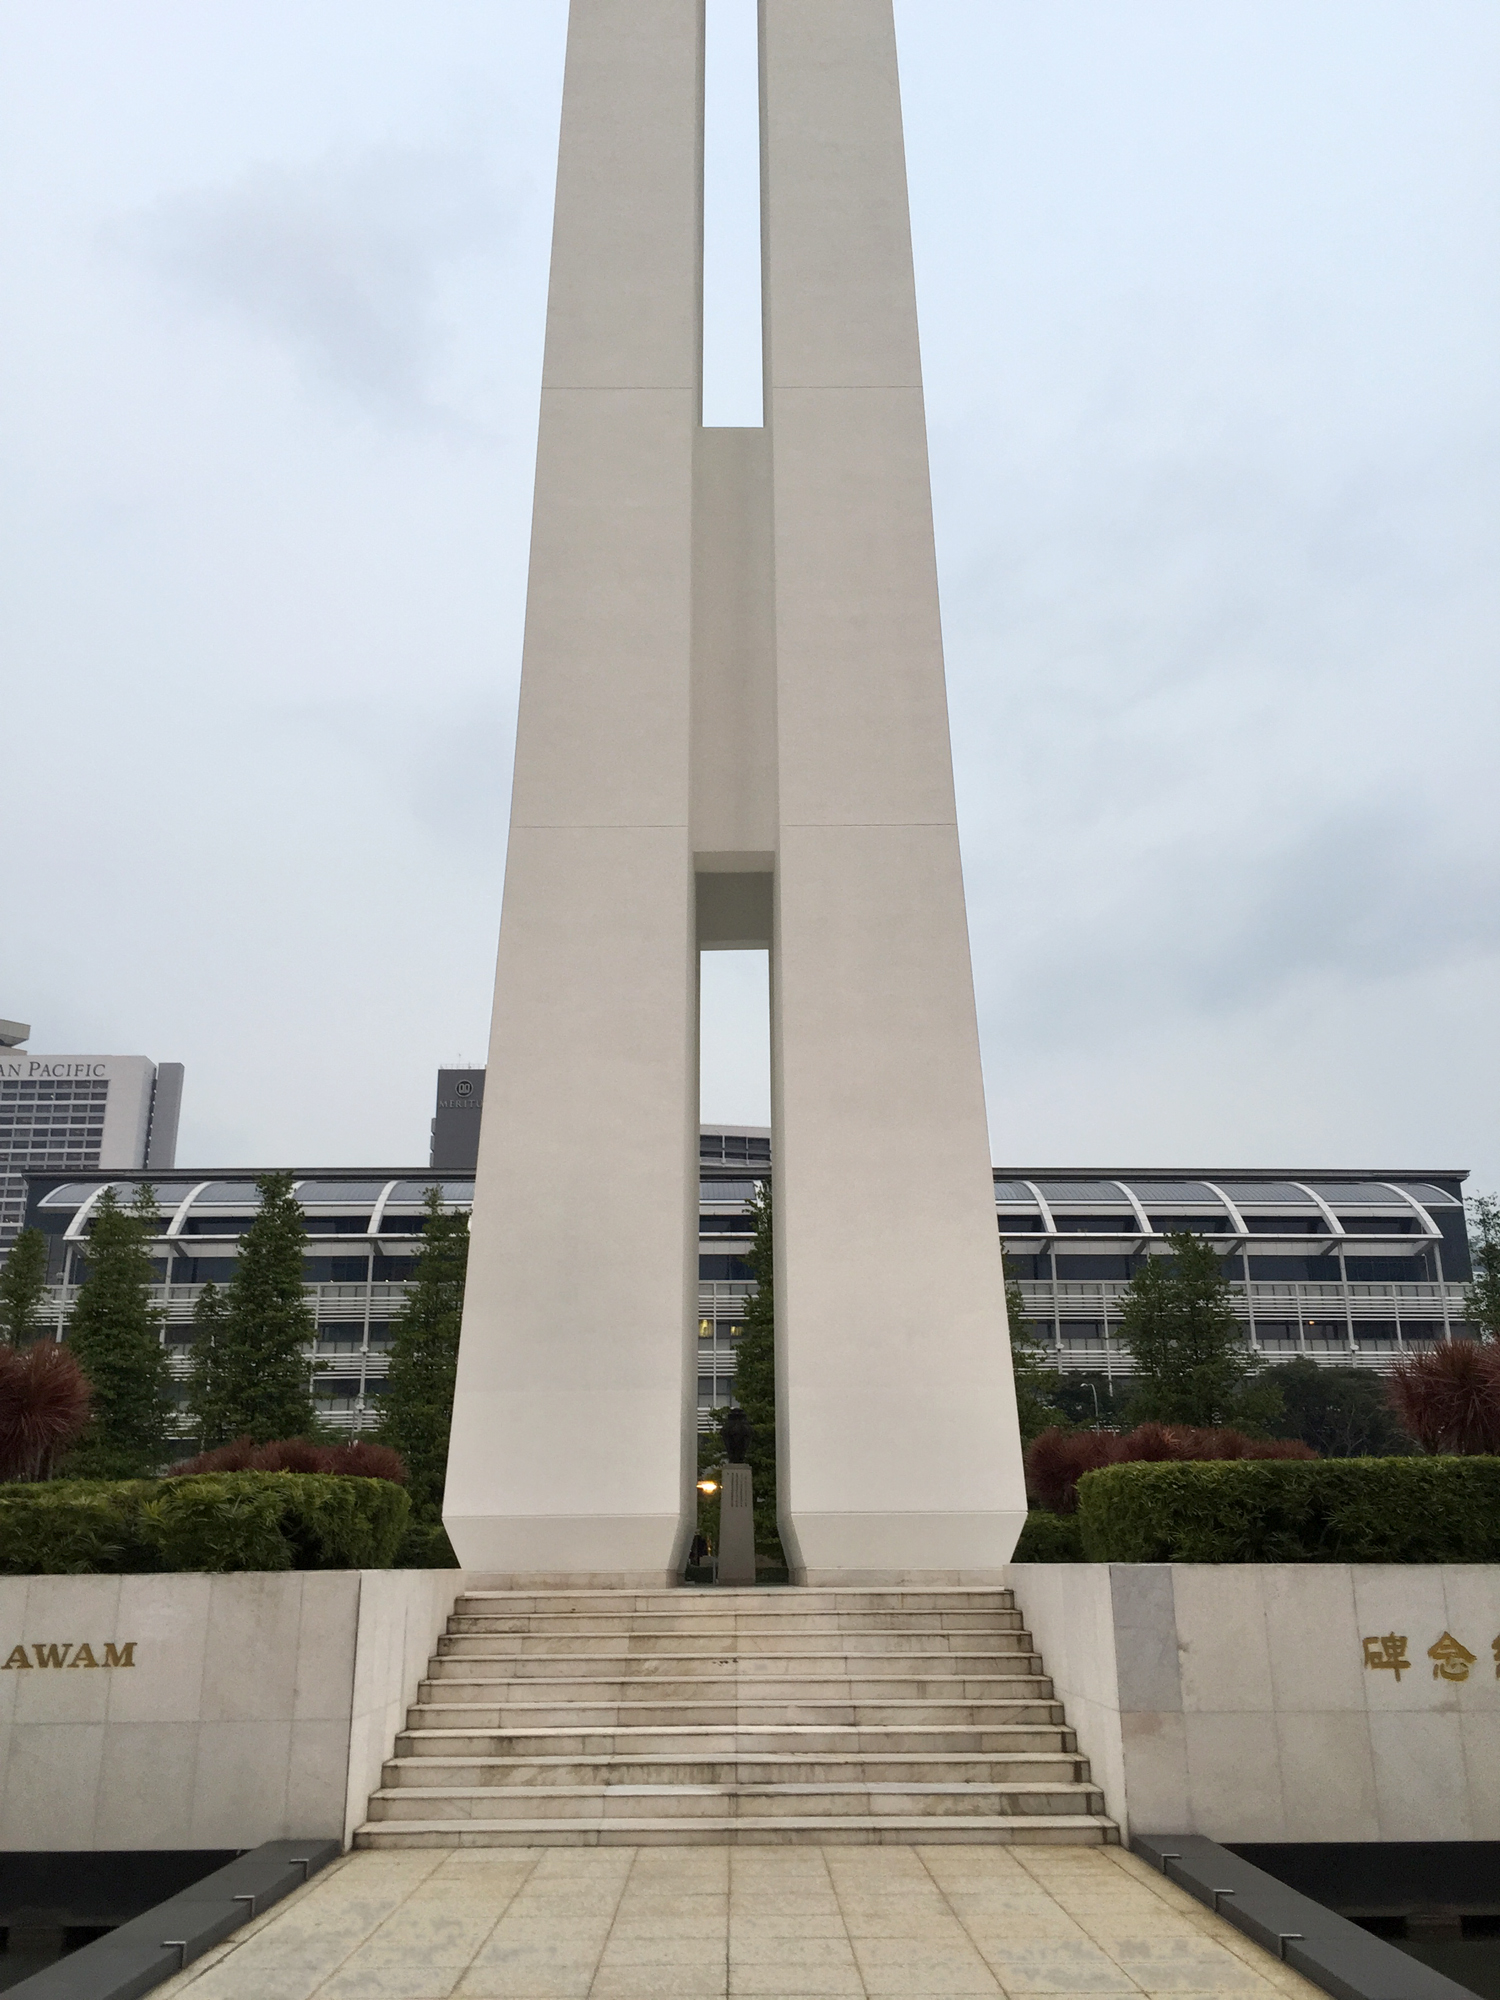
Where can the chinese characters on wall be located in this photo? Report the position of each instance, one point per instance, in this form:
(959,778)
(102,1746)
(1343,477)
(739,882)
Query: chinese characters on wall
(1451,1658)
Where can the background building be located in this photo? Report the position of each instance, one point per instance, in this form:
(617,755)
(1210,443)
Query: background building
(1347,1269)
(364,1227)
(59,1112)
(455,1124)
(1343,1267)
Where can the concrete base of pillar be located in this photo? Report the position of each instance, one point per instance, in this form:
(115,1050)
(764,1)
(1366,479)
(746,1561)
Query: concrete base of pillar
(899,1579)
(881,1550)
(737,1526)
(569,1551)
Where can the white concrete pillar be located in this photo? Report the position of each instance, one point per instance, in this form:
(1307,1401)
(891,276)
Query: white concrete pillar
(733,731)
(573,1419)
(897,1444)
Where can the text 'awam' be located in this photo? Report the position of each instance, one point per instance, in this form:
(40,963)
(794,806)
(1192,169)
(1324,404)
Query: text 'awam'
(82,1656)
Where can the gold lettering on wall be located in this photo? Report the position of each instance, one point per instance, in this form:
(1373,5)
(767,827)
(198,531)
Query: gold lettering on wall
(1451,1658)
(1388,1653)
(52,1654)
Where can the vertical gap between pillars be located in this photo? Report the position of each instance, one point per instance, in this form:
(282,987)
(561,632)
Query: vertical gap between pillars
(732,374)
(734,1091)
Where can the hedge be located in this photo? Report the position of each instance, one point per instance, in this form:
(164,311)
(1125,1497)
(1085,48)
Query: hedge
(214,1521)
(1049,1538)
(425,1545)
(1346,1510)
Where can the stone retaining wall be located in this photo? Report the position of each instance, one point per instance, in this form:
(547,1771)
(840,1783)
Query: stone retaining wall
(1280,1702)
(204,1711)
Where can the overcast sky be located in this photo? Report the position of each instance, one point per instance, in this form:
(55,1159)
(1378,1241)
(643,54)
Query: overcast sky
(1210,302)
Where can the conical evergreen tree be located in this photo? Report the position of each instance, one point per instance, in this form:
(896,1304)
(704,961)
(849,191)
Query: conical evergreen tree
(755,1382)
(1482,1299)
(115,1336)
(206,1382)
(1036,1381)
(23,1282)
(251,1372)
(418,1410)
(1193,1364)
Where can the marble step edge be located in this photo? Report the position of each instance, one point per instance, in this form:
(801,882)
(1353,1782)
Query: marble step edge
(886,1659)
(543,1646)
(698,1745)
(427,1726)
(917,1710)
(743,1645)
(1024,1671)
(683,1808)
(904,1829)
(828,1617)
(1067,1791)
(770,1687)
(793,1598)
(524,1776)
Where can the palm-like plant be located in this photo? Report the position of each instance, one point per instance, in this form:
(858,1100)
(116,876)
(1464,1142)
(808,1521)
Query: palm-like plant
(45,1405)
(1450,1399)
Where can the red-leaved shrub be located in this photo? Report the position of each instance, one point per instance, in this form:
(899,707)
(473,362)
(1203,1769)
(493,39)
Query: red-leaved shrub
(357,1459)
(45,1402)
(1449,1399)
(1057,1460)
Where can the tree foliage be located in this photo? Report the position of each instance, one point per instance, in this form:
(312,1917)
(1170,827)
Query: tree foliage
(1038,1383)
(251,1372)
(1340,1412)
(115,1337)
(1482,1299)
(23,1284)
(1193,1364)
(1091,1397)
(418,1410)
(1058,1459)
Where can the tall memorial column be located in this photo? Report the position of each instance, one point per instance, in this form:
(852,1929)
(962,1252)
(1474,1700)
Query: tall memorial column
(574,1408)
(898,1449)
(733,732)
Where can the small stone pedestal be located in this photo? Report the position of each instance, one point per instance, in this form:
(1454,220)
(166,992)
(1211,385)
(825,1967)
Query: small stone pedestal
(737,1526)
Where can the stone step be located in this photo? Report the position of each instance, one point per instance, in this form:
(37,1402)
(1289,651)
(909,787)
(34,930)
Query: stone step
(581,1717)
(675,1624)
(762,1645)
(1027,1685)
(740,1740)
(1001,1768)
(732,1710)
(690,1802)
(545,1666)
(861,1829)
(764,1602)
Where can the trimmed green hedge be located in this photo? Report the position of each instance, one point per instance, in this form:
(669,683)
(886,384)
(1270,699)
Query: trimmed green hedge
(1344,1510)
(425,1545)
(212,1521)
(1050,1538)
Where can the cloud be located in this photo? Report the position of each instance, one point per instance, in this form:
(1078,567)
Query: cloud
(1356,899)
(343,263)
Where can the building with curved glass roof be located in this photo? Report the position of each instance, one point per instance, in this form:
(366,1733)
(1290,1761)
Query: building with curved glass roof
(1343,1267)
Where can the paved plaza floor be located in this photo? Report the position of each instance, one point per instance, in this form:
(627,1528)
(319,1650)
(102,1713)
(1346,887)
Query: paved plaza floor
(701,1923)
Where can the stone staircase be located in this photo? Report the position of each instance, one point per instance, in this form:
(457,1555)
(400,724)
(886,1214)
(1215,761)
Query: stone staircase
(576,1717)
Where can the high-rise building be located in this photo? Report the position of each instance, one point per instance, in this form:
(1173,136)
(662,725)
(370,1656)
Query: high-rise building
(60,1112)
(455,1124)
